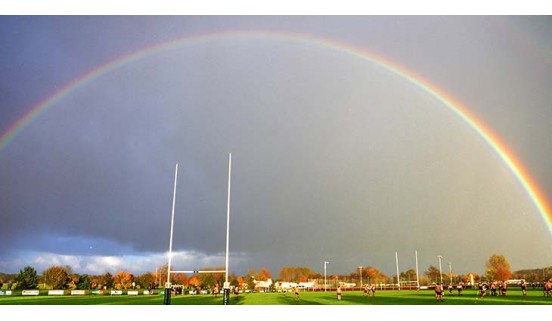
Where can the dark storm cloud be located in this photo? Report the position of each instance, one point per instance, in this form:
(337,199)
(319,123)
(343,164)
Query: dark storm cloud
(333,158)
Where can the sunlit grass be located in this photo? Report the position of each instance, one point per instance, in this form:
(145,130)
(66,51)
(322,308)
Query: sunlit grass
(470,297)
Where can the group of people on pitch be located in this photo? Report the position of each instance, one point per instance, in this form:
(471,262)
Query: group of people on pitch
(369,289)
(493,288)
(339,291)
(496,288)
(500,287)
(439,290)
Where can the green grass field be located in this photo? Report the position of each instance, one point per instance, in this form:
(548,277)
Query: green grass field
(534,297)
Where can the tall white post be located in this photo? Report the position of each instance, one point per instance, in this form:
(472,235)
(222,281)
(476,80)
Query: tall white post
(417,274)
(228,212)
(360,269)
(226,287)
(440,270)
(398,275)
(450,271)
(325,262)
(172,225)
(167,296)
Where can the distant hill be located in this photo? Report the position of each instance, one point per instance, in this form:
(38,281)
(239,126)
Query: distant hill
(5,277)
(537,274)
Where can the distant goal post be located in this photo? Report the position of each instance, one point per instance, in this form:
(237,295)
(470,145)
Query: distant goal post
(199,271)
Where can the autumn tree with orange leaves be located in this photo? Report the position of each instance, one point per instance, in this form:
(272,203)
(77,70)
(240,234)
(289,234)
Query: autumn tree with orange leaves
(241,282)
(180,278)
(295,274)
(263,275)
(373,275)
(194,281)
(123,280)
(56,277)
(498,268)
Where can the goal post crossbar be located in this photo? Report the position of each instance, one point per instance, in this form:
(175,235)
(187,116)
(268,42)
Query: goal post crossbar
(198,272)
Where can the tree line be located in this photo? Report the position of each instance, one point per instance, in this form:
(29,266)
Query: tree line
(62,277)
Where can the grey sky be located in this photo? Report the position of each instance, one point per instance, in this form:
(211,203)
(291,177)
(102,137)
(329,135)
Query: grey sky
(334,158)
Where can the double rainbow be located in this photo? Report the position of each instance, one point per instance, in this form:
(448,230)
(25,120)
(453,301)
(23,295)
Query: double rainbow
(454,105)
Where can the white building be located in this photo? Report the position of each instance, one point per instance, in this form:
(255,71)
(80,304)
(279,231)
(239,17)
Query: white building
(347,285)
(306,285)
(263,285)
(285,286)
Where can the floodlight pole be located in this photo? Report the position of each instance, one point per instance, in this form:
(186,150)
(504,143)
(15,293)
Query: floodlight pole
(325,262)
(398,275)
(417,277)
(167,297)
(360,269)
(440,271)
(226,296)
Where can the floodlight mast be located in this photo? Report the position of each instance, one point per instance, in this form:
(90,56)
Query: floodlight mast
(398,275)
(360,270)
(167,297)
(325,262)
(440,270)
(417,277)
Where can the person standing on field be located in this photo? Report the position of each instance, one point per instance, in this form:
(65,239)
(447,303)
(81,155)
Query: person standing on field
(439,292)
(483,289)
(523,288)
(494,286)
(460,287)
(373,289)
(339,292)
(504,288)
(296,293)
(547,288)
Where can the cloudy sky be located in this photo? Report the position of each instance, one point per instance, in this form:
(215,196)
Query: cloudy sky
(334,156)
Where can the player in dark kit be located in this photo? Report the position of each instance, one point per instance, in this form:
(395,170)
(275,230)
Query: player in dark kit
(504,288)
(547,288)
(493,288)
(483,289)
(439,292)
(460,287)
(523,288)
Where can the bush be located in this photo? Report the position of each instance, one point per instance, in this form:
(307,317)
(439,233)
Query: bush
(27,279)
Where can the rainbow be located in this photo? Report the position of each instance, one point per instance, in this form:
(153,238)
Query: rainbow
(451,103)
